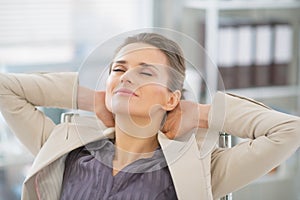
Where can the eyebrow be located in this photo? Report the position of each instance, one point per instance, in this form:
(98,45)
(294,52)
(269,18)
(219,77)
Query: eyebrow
(141,64)
(120,62)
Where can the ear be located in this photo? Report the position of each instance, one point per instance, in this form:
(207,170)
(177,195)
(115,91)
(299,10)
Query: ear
(173,100)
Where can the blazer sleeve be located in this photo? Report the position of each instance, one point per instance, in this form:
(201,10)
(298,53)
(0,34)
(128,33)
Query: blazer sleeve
(20,94)
(273,137)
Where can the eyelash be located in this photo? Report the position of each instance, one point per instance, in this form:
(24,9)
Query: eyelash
(147,74)
(122,70)
(118,70)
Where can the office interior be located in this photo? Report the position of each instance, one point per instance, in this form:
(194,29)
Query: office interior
(255,45)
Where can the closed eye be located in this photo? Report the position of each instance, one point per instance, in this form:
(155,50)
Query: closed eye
(118,70)
(146,73)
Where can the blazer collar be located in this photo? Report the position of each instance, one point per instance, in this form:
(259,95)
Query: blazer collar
(68,136)
(182,156)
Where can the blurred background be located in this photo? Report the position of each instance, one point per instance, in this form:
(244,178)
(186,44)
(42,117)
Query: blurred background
(254,43)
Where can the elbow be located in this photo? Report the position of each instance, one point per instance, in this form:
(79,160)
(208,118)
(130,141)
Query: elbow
(287,132)
(297,130)
(4,84)
(294,131)
(3,87)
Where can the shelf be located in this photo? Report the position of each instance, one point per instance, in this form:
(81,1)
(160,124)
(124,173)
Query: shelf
(241,5)
(204,17)
(211,12)
(267,92)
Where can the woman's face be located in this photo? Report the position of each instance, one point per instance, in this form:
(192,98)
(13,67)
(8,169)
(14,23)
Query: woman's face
(137,85)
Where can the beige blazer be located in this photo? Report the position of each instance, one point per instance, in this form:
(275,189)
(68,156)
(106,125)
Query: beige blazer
(198,168)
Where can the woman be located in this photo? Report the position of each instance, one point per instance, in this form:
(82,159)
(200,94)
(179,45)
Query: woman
(143,156)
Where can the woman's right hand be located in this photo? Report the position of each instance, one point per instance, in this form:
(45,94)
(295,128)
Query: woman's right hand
(101,111)
(94,101)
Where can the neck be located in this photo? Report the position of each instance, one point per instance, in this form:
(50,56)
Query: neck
(138,127)
(133,142)
(134,145)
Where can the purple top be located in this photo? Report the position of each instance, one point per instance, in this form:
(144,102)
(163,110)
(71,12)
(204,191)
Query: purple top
(88,175)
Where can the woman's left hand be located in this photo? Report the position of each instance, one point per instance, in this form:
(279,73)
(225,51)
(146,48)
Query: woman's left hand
(186,116)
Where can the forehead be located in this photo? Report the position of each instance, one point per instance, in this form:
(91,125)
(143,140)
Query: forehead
(141,52)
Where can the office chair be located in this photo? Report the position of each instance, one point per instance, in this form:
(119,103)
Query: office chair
(225,142)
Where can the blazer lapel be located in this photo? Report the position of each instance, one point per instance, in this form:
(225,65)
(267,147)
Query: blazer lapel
(190,175)
(68,136)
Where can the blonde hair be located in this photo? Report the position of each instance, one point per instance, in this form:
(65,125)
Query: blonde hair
(172,51)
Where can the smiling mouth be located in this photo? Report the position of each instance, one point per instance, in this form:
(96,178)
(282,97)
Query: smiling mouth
(125,92)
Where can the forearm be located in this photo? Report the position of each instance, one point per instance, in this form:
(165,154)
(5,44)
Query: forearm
(21,93)
(85,99)
(247,118)
(274,136)
(42,89)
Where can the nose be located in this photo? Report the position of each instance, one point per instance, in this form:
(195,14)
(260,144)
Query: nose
(127,77)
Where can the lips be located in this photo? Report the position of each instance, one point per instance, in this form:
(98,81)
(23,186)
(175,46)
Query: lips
(125,91)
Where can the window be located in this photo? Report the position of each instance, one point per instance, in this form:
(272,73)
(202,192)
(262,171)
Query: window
(59,31)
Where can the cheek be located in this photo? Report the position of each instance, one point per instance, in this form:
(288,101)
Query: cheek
(156,95)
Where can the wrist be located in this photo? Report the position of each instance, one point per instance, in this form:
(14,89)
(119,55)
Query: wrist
(85,99)
(203,110)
